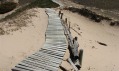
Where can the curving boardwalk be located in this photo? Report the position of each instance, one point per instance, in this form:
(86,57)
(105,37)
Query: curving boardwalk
(50,56)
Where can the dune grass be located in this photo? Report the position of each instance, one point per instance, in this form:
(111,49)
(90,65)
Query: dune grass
(36,3)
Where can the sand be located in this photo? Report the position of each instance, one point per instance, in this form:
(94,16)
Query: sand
(96,57)
(26,40)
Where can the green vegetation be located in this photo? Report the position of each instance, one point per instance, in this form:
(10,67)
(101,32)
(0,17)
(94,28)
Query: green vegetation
(44,4)
(36,3)
(7,6)
(103,4)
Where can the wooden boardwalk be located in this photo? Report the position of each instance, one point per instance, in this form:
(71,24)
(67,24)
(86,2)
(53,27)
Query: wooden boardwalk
(50,56)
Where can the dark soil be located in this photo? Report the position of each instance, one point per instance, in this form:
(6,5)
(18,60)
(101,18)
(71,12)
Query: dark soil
(102,4)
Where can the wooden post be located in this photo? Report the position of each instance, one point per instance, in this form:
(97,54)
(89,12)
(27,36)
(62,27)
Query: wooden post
(69,27)
(61,15)
(66,20)
(80,56)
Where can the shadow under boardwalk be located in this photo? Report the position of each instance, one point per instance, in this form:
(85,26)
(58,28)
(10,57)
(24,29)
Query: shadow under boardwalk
(51,55)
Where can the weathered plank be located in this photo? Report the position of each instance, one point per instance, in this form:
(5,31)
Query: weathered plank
(50,60)
(52,56)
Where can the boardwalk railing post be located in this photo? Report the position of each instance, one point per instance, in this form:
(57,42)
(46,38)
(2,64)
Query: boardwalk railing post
(66,20)
(61,15)
(69,27)
(80,56)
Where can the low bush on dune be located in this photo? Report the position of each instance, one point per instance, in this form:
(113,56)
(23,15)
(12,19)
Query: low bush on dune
(44,4)
(88,13)
(7,7)
(36,3)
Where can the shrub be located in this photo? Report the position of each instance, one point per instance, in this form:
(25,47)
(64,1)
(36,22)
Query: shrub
(7,7)
(35,3)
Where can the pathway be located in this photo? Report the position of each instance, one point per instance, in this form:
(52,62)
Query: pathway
(51,55)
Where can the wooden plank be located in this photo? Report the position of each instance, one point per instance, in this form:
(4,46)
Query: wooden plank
(51,33)
(49,40)
(47,57)
(28,67)
(54,27)
(56,38)
(43,62)
(51,45)
(60,51)
(51,51)
(60,43)
(55,46)
(53,56)
(56,21)
(33,67)
(56,49)
(50,19)
(39,59)
(55,30)
(53,17)
(21,69)
(37,66)
(56,35)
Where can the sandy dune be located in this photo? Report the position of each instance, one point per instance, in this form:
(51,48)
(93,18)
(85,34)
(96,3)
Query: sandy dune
(17,45)
(96,57)
(20,42)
